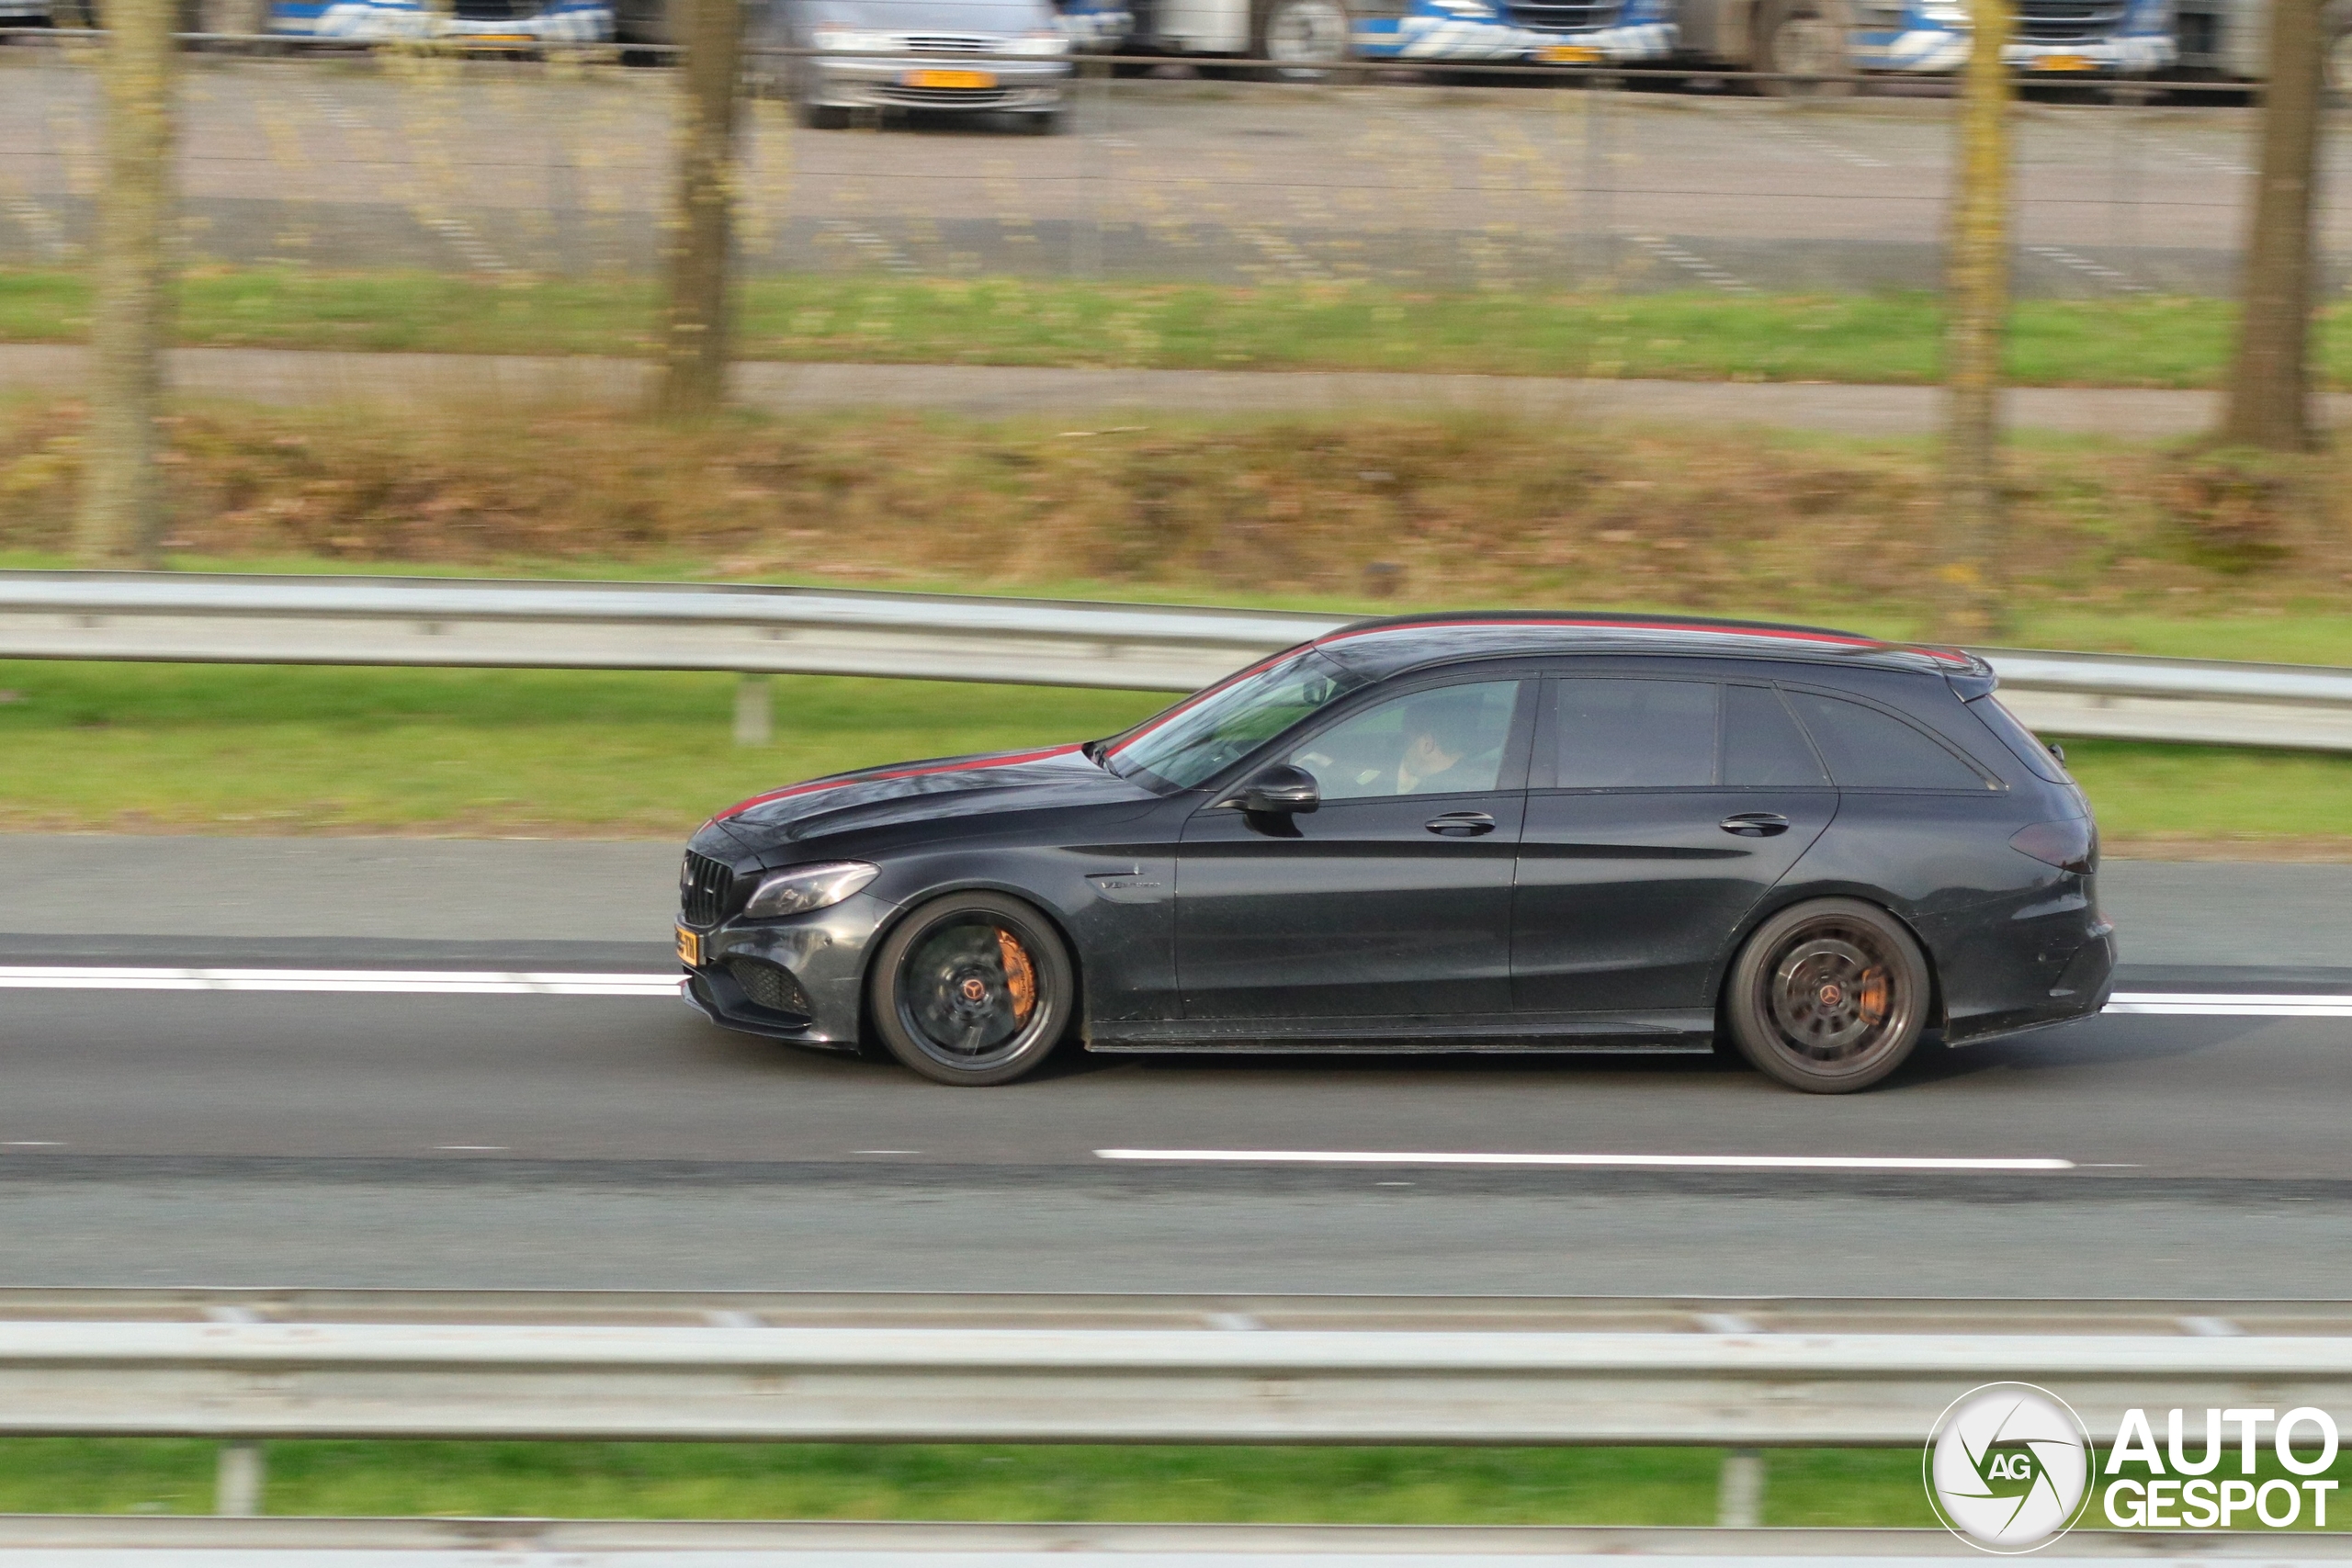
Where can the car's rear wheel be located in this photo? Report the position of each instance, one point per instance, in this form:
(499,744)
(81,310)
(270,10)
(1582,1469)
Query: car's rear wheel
(972,989)
(1304,39)
(1828,996)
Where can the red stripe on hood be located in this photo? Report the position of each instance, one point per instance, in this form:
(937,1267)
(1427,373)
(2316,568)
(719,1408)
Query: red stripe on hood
(743,806)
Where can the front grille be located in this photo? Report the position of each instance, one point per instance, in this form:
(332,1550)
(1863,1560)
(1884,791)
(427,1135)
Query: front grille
(943,98)
(703,887)
(2068,21)
(947,43)
(769,986)
(1563,15)
(492,10)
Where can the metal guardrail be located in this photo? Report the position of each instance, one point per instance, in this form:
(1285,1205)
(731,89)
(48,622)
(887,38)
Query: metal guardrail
(1037,1369)
(247,1365)
(757,631)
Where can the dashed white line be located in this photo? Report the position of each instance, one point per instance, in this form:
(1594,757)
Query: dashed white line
(1690,261)
(2122,283)
(1690,1162)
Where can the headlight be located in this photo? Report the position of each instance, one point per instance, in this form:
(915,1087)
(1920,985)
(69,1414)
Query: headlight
(1945,11)
(1468,10)
(1039,43)
(842,40)
(807,887)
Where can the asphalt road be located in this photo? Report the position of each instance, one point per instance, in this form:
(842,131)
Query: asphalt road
(489,169)
(248,1139)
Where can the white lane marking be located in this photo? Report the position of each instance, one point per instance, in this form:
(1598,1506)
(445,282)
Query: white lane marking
(485,983)
(1690,261)
(2122,283)
(1732,1162)
(443,983)
(2210,1004)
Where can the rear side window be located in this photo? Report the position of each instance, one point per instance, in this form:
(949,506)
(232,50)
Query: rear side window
(1635,734)
(2019,739)
(1762,745)
(1870,750)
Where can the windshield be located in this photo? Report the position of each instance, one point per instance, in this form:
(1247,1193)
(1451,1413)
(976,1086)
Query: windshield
(1193,741)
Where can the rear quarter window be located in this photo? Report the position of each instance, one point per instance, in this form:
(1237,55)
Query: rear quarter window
(1867,747)
(2019,739)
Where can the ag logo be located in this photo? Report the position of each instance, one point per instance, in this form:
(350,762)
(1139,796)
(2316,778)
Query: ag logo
(2008,1467)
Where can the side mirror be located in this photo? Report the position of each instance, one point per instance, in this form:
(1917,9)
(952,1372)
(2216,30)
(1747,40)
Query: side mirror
(1281,790)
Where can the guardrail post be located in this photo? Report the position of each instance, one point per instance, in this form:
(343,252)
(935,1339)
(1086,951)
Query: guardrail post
(755,712)
(237,1490)
(1739,1500)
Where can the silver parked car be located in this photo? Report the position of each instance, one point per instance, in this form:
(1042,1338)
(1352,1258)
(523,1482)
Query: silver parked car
(996,56)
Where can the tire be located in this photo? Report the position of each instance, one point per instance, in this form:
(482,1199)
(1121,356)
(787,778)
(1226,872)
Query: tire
(1303,38)
(972,989)
(1827,997)
(1804,41)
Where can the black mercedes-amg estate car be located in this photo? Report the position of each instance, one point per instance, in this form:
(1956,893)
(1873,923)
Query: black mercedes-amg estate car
(1475,832)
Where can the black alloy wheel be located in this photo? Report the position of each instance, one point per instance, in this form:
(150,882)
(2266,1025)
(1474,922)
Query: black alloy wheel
(972,989)
(1828,996)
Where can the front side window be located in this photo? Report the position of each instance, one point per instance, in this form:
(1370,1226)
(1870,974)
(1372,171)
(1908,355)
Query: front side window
(1449,741)
(1201,736)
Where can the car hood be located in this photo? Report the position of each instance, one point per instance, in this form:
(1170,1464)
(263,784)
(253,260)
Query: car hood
(1058,777)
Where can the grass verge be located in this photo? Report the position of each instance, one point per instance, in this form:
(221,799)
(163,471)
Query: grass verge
(2149,341)
(279,750)
(1140,1484)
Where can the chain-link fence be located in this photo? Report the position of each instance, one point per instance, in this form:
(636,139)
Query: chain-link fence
(559,168)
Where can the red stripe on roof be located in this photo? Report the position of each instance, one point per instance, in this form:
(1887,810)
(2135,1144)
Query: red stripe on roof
(743,806)
(1786,634)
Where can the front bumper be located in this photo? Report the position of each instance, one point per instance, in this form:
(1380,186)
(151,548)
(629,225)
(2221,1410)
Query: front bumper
(813,965)
(2128,55)
(1030,83)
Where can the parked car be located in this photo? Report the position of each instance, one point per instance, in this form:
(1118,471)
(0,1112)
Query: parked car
(1001,56)
(1517,833)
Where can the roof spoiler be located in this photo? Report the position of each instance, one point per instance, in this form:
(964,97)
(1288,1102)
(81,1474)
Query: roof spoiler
(1969,673)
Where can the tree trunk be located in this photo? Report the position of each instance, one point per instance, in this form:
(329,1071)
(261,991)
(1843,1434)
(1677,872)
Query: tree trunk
(1977,304)
(2269,402)
(118,518)
(699,245)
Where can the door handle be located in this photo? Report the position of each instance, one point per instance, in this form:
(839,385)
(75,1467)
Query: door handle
(1461,824)
(1755,824)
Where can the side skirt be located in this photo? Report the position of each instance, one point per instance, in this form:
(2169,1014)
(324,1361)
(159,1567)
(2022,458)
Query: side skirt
(1488,1035)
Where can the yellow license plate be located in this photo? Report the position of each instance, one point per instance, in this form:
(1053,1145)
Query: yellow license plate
(2064,62)
(1569,54)
(689,948)
(951,79)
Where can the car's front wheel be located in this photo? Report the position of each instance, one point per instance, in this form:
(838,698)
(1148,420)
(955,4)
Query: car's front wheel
(1828,996)
(972,989)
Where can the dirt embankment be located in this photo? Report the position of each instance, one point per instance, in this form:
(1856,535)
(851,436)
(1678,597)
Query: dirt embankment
(1430,511)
